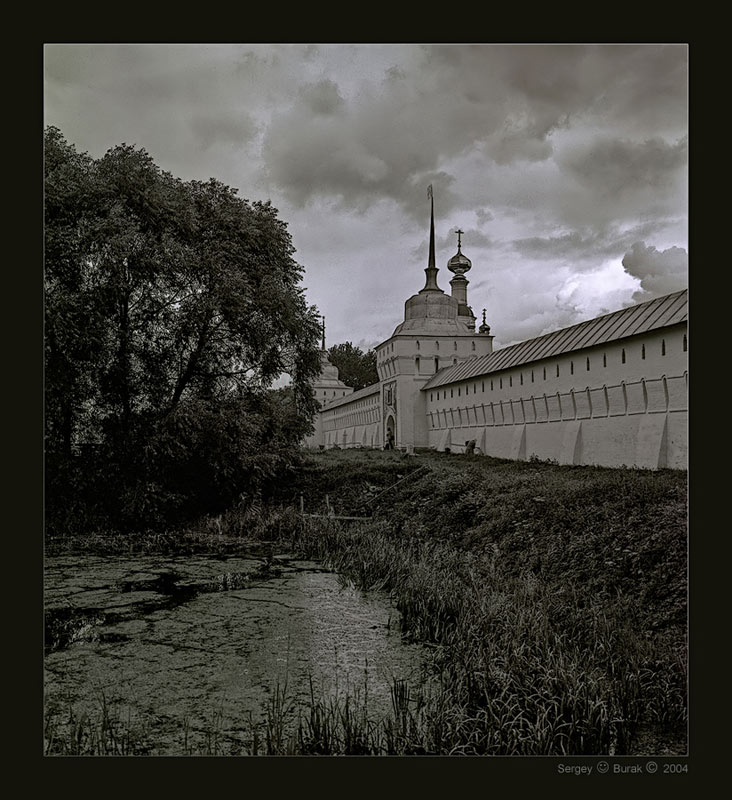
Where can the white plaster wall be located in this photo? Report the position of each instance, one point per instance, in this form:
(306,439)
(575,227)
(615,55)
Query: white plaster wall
(606,368)
(619,412)
(410,360)
(399,354)
(353,423)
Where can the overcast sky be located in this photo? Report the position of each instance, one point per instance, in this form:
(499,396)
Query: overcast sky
(565,166)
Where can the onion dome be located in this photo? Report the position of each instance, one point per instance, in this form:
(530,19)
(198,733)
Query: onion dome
(459,263)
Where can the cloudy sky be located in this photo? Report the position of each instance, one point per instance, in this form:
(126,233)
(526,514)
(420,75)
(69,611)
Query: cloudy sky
(564,166)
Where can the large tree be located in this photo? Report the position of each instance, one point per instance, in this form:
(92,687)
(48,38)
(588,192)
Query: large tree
(171,307)
(355,368)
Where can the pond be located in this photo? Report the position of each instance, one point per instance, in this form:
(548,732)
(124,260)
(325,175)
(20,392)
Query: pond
(190,652)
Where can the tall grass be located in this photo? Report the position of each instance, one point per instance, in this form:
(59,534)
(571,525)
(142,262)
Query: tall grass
(548,646)
(525,670)
(108,732)
(555,598)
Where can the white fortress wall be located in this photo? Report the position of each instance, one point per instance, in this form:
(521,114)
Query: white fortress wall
(610,391)
(619,403)
(353,421)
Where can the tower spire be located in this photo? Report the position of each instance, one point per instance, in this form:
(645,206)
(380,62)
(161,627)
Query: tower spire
(431,271)
(322,347)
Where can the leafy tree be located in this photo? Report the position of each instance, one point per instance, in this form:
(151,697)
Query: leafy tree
(171,307)
(355,368)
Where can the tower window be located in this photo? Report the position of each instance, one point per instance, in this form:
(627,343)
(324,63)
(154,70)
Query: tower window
(482,386)
(521,376)
(417,344)
(510,380)
(454,345)
(500,383)
(451,393)
(557,370)
(643,351)
(588,364)
(474,389)
(454,361)
(532,375)
(604,360)
(622,356)
(430,397)
(544,373)
(663,347)
(458,391)
(491,385)
(437,364)
(437,345)
(685,343)
(472,345)
(571,367)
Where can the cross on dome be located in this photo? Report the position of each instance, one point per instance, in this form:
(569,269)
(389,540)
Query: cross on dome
(459,263)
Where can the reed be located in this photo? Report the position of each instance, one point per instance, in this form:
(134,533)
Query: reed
(546,614)
(554,600)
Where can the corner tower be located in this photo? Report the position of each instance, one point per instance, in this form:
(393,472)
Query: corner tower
(326,387)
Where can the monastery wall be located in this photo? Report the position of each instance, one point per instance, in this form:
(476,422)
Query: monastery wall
(621,403)
(610,391)
(354,421)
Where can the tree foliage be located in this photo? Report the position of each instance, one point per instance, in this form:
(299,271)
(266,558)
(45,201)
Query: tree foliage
(170,309)
(355,368)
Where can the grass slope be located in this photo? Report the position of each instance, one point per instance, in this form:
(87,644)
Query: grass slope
(555,598)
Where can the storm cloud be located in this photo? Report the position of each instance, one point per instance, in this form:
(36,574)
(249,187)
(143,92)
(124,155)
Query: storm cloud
(659,272)
(559,162)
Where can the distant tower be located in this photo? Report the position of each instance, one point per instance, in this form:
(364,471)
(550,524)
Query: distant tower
(326,387)
(460,264)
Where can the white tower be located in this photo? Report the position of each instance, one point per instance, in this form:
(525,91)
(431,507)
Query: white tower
(438,331)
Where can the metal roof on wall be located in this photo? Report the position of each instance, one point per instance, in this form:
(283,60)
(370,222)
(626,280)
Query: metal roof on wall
(659,313)
(349,398)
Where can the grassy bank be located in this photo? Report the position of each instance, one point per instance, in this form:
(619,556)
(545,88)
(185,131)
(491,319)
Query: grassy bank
(555,598)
